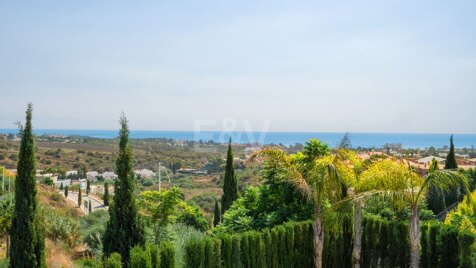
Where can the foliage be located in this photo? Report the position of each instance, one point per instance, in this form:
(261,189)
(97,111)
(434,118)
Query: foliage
(230,185)
(7,204)
(166,207)
(27,238)
(92,228)
(191,216)
(59,227)
(47,181)
(140,258)
(216,214)
(113,261)
(106,194)
(167,255)
(123,230)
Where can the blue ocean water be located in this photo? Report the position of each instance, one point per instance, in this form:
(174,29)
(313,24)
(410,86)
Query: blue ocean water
(367,140)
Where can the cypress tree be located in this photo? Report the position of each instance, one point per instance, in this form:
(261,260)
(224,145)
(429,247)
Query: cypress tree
(27,237)
(66,188)
(451,158)
(89,206)
(217,214)
(61,186)
(79,195)
(454,193)
(88,187)
(230,185)
(106,194)
(123,231)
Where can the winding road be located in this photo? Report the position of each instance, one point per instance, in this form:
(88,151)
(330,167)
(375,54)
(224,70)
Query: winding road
(96,204)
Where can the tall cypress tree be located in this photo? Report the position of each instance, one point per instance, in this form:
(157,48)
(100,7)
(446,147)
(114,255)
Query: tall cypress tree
(451,158)
(454,194)
(27,236)
(79,195)
(88,186)
(217,214)
(106,194)
(123,230)
(66,191)
(230,185)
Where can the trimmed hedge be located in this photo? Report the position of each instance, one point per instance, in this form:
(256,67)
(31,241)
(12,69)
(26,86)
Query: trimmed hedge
(384,244)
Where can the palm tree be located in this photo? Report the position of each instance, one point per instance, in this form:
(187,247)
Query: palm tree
(398,180)
(316,174)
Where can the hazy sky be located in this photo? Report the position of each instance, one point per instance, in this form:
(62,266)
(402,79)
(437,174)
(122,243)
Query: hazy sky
(372,66)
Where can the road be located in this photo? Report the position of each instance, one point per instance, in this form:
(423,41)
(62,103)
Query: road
(96,204)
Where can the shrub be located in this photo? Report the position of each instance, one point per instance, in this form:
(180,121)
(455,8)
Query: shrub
(114,261)
(167,255)
(139,258)
(154,255)
(195,253)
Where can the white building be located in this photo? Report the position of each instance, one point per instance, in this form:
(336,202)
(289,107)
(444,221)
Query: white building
(92,175)
(109,175)
(427,160)
(145,173)
(64,182)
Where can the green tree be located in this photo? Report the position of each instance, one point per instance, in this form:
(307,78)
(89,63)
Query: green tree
(316,174)
(230,185)
(90,209)
(106,194)
(61,186)
(88,187)
(435,197)
(451,158)
(217,214)
(27,237)
(408,188)
(79,196)
(6,212)
(123,230)
(454,193)
(66,188)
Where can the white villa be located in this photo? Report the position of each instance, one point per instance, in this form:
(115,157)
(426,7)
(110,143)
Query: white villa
(427,160)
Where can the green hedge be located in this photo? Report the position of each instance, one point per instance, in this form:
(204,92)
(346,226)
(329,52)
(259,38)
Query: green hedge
(384,244)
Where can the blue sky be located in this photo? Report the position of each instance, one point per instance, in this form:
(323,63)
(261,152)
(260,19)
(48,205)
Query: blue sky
(361,66)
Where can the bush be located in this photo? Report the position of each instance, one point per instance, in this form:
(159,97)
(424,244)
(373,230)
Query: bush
(167,255)
(154,255)
(56,197)
(139,258)
(113,261)
(88,263)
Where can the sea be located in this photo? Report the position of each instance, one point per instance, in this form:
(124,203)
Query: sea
(358,139)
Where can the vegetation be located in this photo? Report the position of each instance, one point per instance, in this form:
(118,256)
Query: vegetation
(123,231)
(296,206)
(27,237)
(230,185)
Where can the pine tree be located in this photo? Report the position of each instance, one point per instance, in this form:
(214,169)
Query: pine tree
(27,237)
(217,214)
(88,187)
(230,185)
(66,191)
(79,195)
(123,230)
(453,195)
(106,194)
